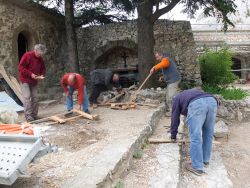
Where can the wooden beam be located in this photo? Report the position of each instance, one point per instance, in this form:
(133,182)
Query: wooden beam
(48,118)
(9,82)
(86,115)
(161,141)
(16,83)
(57,119)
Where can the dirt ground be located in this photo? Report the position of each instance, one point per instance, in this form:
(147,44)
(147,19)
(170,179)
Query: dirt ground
(78,142)
(236,154)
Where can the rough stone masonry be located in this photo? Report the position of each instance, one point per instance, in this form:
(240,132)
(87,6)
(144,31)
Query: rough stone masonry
(109,46)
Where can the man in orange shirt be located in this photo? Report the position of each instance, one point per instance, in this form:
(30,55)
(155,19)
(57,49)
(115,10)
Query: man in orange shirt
(170,75)
(71,82)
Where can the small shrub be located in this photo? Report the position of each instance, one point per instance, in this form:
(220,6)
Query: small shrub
(144,145)
(186,85)
(119,184)
(233,94)
(215,67)
(228,94)
(211,89)
(138,154)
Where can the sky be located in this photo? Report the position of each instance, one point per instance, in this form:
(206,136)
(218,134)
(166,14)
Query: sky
(242,16)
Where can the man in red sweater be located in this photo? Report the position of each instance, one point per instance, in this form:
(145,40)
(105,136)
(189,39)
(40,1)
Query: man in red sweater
(31,69)
(71,82)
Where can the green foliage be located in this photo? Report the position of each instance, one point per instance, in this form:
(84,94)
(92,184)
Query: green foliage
(119,9)
(216,67)
(138,154)
(119,184)
(233,94)
(184,85)
(144,145)
(228,94)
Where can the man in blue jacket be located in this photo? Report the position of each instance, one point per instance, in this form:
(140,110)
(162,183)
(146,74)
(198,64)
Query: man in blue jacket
(200,109)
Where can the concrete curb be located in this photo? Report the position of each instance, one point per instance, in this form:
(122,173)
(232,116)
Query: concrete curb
(109,165)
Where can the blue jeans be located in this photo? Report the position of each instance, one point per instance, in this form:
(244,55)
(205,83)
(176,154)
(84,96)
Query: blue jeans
(69,99)
(200,120)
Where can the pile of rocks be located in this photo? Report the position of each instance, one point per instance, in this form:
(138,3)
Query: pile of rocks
(152,95)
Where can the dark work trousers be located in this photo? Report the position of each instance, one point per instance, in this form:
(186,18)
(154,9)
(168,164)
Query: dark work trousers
(95,92)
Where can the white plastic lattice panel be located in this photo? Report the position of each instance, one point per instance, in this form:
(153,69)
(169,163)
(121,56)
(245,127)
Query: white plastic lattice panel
(16,151)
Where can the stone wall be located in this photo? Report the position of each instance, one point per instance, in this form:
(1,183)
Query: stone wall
(234,110)
(38,26)
(101,45)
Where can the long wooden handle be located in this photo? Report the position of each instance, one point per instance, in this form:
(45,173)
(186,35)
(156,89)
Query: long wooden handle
(144,82)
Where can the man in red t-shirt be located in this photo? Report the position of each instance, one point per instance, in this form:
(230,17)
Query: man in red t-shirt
(71,82)
(31,69)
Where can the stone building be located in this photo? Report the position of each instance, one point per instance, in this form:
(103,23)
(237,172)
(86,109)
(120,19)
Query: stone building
(23,25)
(237,39)
(110,46)
(115,46)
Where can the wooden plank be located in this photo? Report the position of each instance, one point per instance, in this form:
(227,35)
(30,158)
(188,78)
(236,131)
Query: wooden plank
(114,99)
(57,119)
(124,107)
(149,105)
(16,83)
(161,141)
(86,115)
(9,82)
(48,118)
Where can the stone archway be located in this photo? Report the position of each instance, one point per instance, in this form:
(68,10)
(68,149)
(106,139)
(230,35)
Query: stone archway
(236,66)
(22,44)
(239,64)
(121,57)
(111,47)
(24,38)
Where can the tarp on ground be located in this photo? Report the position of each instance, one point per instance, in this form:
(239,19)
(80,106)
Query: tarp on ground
(7,103)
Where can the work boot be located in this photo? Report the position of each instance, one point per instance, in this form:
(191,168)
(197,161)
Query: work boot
(36,117)
(206,164)
(87,111)
(29,119)
(189,167)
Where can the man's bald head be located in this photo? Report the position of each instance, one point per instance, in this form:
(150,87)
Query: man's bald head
(71,79)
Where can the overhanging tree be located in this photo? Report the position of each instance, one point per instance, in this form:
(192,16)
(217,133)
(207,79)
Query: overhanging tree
(78,13)
(150,10)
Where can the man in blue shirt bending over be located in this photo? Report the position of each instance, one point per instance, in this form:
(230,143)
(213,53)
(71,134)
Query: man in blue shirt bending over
(200,109)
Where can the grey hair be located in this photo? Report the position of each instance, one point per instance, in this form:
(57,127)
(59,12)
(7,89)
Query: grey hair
(40,48)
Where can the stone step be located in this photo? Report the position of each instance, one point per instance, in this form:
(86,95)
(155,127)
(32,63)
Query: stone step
(216,176)
(167,173)
(160,165)
(114,159)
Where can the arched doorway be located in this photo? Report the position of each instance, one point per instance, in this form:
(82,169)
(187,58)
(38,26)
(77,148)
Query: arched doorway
(24,38)
(121,60)
(236,67)
(22,43)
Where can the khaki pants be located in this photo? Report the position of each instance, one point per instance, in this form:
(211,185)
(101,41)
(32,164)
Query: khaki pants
(172,90)
(30,100)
